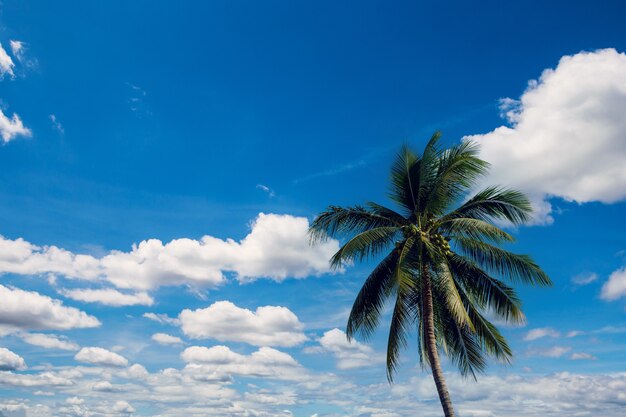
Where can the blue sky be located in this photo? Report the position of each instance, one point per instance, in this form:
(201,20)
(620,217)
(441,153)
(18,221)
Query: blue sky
(160,163)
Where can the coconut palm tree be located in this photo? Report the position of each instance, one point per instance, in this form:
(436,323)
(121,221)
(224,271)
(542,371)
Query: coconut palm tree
(442,264)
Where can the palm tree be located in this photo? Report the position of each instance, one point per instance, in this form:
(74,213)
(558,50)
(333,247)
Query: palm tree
(443,266)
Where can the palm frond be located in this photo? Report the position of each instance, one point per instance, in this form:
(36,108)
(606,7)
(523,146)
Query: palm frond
(495,203)
(370,301)
(458,340)
(398,330)
(518,268)
(486,292)
(474,229)
(458,169)
(335,221)
(364,245)
(403,190)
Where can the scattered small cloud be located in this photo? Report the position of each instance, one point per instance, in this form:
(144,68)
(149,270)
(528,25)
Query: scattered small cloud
(266,190)
(56,125)
(225,322)
(12,127)
(136,102)
(162,318)
(166,339)
(218,363)
(349,355)
(6,64)
(11,361)
(578,356)
(101,357)
(553,352)
(48,341)
(28,310)
(615,286)
(584,278)
(108,296)
(535,334)
(19,49)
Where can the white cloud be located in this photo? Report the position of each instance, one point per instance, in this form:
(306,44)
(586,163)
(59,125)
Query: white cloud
(615,287)
(48,341)
(535,334)
(277,248)
(44,379)
(12,127)
(349,355)
(266,189)
(224,321)
(11,361)
(123,407)
(6,64)
(219,361)
(100,356)
(18,49)
(567,134)
(577,356)
(162,318)
(166,339)
(75,401)
(553,352)
(109,297)
(584,279)
(29,310)
(56,125)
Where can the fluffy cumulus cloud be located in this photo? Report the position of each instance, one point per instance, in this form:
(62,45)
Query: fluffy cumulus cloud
(349,355)
(224,321)
(219,362)
(48,341)
(12,127)
(100,356)
(615,287)
(277,248)
(109,297)
(29,310)
(567,132)
(166,339)
(10,361)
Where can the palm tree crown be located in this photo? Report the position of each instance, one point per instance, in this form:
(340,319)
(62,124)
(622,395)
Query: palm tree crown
(442,264)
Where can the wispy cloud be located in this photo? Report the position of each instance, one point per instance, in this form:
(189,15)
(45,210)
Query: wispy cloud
(348,166)
(6,64)
(584,278)
(535,334)
(136,102)
(56,125)
(266,189)
(18,49)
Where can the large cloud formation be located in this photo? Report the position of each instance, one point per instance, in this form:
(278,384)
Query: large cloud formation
(277,248)
(567,137)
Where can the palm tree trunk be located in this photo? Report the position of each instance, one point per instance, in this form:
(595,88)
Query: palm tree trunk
(431,348)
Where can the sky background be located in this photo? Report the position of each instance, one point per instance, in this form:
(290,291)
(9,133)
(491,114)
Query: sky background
(160,163)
